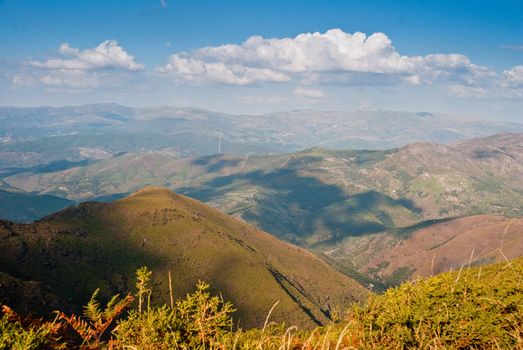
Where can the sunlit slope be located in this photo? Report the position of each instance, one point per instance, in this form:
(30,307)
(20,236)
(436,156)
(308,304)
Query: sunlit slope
(101,245)
(443,246)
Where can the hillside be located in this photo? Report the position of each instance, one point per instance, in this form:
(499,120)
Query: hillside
(475,307)
(102,244)
(319,188)
(449,245)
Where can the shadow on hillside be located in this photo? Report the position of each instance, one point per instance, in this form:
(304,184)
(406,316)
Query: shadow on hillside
(214,163)
(74,252)
(58,165)
(295,207)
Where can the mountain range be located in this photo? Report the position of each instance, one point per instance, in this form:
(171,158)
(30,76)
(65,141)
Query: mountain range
(35,136)
(334,202)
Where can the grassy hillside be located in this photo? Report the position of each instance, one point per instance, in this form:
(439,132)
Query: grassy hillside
(101,245)
(473,308)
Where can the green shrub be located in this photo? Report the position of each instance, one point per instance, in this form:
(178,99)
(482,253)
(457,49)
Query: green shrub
(475,308)
(470,309)
(198,321)
(14,336)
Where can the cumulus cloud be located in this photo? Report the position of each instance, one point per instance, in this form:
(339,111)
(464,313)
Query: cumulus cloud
(509,84)
(514,76)
(308,93)
(315,57)
(106,55)
(198,72)
(78,69)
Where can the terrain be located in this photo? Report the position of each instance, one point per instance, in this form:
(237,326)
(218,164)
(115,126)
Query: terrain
(450,245)
(100,245)
(338,203)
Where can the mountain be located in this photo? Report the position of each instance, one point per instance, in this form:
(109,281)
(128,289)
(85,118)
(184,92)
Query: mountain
(26,207)
(34,136)
(440,247)
(100,245)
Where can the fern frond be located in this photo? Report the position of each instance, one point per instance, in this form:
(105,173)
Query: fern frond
(92,310)
(116,306)
(110,314)
(111,304)
(80,326)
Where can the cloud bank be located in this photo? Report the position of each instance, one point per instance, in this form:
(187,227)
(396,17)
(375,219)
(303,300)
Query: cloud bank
(304,62)
(316,57)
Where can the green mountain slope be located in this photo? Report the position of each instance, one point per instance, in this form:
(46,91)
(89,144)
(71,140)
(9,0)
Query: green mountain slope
(101,245)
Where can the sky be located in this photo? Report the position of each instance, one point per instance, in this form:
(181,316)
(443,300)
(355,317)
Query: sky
(457,57)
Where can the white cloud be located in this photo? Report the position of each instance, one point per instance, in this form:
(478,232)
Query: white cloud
(509,84)
(308,93)
(463,91)
(514,76)
(106,55)
(196,71)
(513,47)
(23,80)
(77,69)
(57,77)
(315,57)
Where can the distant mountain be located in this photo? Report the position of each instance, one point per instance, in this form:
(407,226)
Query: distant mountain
(101,244)
(34,136)
(319,192)
(26,207)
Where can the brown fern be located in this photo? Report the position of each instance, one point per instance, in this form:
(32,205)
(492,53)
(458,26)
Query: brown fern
(56,330)
(95,322)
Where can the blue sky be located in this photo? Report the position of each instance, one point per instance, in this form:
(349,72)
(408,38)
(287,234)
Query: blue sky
(462,57)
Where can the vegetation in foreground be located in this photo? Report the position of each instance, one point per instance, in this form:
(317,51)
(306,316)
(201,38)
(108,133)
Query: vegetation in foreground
(474,308)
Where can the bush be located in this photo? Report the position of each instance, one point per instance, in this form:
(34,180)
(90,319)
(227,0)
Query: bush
(473,309)
(26,334)
(198,321)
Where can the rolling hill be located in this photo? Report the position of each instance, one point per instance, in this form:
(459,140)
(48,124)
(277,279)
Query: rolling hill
(101,244)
